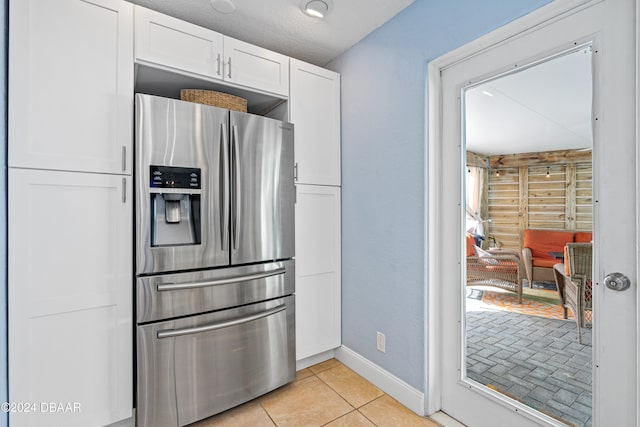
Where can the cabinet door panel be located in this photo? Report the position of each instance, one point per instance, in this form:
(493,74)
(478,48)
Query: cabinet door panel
(71,85)
(255,67)
(318,291)
(171,42)
(315,111)
(70,319)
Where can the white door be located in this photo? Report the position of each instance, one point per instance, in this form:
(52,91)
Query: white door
(255,67)
(70,314)
(165,41)
(71,85)
(608,27)
(318,316)
(314,103)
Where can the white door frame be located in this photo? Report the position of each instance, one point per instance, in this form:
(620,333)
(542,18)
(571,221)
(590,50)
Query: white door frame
(638,195)
(434,273)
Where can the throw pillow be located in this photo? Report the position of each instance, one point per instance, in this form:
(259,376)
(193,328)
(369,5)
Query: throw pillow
(486,256)
(567,266)
(470,244)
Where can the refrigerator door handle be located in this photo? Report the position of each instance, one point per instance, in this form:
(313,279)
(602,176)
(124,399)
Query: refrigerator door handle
(171,333)
(224,188)
(162,287)
(236,184)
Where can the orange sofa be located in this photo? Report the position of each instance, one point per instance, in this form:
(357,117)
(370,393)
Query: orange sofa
(538,247)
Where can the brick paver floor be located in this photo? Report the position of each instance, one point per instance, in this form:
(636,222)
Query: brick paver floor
(535,360)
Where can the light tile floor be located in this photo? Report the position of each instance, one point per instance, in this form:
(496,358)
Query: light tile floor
(326,394)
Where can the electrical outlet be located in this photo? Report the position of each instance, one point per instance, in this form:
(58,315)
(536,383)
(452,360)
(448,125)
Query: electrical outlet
(380,345)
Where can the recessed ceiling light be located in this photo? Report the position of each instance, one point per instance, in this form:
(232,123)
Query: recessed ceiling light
(316,8)
(484,92)
(223,6)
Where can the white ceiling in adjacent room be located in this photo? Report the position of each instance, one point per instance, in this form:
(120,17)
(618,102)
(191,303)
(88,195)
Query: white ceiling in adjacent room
(281,26)
(543,108)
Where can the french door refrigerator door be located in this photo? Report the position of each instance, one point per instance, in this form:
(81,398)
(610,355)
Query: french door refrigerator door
(178,227)
(262,188)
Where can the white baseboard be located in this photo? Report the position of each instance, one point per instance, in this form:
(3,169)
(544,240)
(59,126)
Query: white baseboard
(314,360)
(445,420)
(385,381)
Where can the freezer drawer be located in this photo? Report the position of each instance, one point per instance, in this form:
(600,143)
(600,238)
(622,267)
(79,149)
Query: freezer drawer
(195,367)
(182,294)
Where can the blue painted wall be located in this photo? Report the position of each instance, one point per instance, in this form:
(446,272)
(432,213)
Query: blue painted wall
(383,168)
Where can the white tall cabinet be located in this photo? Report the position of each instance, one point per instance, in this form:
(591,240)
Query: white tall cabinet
(315,111)
(70,210)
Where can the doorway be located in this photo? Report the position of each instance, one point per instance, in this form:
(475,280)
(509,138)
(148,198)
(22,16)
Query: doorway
(528,196)
(561,27)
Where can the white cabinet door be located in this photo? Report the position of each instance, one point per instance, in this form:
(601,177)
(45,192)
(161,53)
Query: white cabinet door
(71,85)
(255,67)
(318,290)
(170,42)
(70,314)
(315,111)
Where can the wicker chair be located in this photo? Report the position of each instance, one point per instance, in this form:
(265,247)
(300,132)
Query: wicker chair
(502,269)
(575,289)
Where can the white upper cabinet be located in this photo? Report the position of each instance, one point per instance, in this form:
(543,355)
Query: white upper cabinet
(71,85)
(170,42)
(178,45)
(315,111)
(253,66)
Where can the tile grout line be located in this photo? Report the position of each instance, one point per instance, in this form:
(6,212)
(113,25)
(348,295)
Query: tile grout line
(367,418)
(343,415)
(336,392)
(294,381)
(268,414)
(340,394)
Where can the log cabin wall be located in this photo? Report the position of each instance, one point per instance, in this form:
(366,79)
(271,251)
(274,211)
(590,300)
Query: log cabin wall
(520,195)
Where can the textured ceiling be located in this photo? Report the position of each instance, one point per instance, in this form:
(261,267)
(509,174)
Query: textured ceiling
(281,26)
(543,108)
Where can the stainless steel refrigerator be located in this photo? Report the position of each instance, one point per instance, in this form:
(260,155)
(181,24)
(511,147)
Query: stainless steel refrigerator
(214,245)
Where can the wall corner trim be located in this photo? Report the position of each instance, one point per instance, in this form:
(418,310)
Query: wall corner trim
(384,380)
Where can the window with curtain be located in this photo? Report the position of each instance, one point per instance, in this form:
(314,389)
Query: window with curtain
(475,182)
